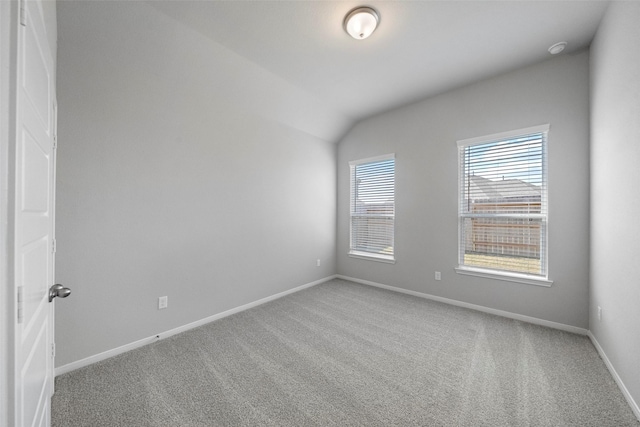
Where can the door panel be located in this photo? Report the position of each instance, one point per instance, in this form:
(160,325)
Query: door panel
(34,183)
(35,282)
(36,74)
(35,164)
(34,378)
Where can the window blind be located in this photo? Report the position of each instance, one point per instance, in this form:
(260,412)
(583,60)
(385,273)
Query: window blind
(503,202)
(372,207)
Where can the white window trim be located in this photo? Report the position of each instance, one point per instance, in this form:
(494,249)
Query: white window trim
(391,156)
(373,257)
(498,274)
(388,259)
(504,275)
(502,135)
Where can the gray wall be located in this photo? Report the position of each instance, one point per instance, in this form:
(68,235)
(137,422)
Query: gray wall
(615,181)
(424,136)
(177,176)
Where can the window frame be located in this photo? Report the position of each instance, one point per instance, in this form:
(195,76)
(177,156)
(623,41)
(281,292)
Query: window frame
(512,276)
(355,253)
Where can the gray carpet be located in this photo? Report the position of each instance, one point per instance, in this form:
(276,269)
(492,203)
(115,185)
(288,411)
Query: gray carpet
(345,354)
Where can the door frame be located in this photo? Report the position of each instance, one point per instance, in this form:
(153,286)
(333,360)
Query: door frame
(9,18)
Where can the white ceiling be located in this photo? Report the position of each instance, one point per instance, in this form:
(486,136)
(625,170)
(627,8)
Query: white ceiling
(420,49)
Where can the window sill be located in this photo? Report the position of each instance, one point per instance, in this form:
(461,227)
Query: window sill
(373,257)
(509,277)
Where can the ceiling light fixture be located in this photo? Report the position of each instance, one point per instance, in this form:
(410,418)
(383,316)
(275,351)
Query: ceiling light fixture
(361,22)
(557,48)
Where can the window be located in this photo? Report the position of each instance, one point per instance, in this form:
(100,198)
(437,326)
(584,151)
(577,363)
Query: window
(502,209)
(372,208)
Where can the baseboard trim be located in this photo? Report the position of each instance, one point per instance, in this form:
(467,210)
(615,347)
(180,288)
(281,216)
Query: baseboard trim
(625,392)
(507,314)
(136,344)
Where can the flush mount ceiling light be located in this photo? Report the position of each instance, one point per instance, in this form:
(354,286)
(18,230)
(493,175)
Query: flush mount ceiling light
(557,48)
(361,22)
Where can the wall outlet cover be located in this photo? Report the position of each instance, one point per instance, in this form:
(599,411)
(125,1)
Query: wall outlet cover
(163,302)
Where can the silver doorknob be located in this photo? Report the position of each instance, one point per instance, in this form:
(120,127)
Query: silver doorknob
(58,291)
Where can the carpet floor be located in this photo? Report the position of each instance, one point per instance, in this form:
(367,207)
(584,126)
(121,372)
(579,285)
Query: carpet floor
(345,354)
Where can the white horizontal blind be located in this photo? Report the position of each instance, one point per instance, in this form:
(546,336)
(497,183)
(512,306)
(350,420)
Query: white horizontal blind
(503,202)
(373,207)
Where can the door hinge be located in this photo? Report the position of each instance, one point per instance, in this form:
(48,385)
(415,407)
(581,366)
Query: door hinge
(53,349)
(23,19)
(53,246)
(55,141)
(20,305)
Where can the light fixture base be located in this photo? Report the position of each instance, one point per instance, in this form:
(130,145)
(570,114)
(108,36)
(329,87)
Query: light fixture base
(557,48)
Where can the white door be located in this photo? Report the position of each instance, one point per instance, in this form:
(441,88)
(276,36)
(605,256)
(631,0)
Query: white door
(34,210)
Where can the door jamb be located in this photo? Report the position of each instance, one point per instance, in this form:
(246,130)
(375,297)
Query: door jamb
(8,62)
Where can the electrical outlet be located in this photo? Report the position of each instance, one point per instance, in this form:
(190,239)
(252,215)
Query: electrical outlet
(599,313)
(318,263)
(163,302)
(438,275)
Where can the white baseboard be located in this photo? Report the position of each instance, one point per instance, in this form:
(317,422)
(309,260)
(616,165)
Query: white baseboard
(127,347)
(528,319)
(634,406)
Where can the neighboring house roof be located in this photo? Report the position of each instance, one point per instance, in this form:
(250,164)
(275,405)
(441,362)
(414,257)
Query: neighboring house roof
(486,189)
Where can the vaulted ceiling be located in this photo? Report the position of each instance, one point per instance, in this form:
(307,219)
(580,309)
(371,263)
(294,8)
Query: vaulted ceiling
(291,62)
(421,48)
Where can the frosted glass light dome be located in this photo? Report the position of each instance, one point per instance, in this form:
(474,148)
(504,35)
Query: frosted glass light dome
(361,22)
